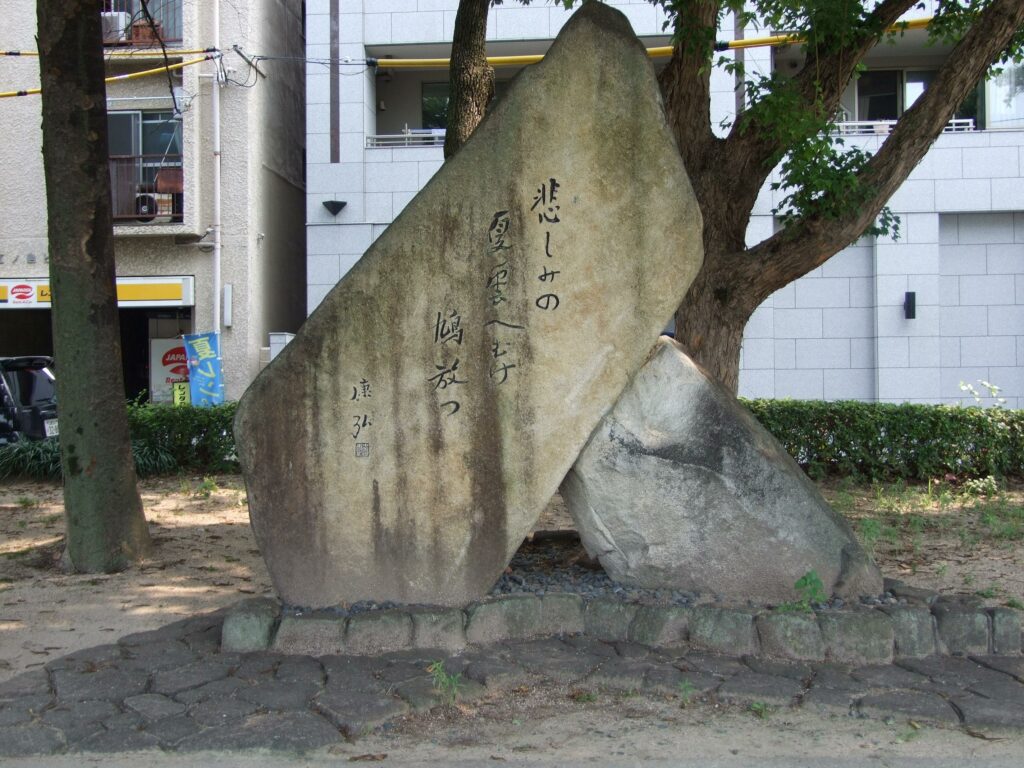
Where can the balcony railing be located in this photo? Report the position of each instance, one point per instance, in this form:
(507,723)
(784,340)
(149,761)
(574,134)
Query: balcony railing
(415,137)
(147,189)
(124,23)
(884,127)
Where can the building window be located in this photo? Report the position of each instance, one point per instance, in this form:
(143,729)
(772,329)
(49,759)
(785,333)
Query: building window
(878,95)
(145,166)
(1005,98)
(883,95)
(434,103)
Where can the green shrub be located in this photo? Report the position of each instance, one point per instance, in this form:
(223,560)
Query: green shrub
(36,459)
(40,459)
(165,440)
(873,441)
(883,441)
(198,440)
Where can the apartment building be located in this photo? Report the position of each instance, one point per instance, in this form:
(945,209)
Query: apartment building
(168,197)
(885,320)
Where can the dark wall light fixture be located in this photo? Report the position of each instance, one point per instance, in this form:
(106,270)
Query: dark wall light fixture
(910,305)
(334,206)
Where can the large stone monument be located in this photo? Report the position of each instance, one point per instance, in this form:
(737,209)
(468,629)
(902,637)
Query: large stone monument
(406,440)
(681,487)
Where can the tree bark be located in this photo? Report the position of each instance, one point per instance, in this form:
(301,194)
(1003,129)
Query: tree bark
(106,529)
(735,280)
(470,77)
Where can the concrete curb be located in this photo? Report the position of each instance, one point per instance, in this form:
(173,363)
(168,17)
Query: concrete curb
(862,635)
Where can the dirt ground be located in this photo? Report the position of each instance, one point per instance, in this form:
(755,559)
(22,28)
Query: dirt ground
(939,537)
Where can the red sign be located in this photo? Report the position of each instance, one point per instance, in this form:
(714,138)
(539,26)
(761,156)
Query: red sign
(176,363)
(22,292)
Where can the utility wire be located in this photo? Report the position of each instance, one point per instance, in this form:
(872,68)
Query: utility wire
(128,76)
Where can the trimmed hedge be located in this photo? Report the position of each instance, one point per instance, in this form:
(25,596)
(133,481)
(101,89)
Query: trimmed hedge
(198,440)
(879,441)
(165,441)
(873,441)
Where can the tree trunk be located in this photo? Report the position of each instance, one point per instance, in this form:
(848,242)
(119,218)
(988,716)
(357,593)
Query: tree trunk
(727,177)
(106,529)
(711,320)
(470,77)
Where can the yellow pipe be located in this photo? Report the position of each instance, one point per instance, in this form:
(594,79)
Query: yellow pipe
(657,52)
(118,78)
(172,52)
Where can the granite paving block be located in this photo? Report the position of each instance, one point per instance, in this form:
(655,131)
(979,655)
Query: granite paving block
(794,670)
(154,706)
(192,675)
(723,630)
(562,614)
(828,701)
(217,689)
(118,741)
(962,630)
(983,711)
(33,683)
(620,675)
(215,713)
(172,730)
(356,713)
(443,628)
(297,732)
(313,635)
(109,684)
(916,705)
(300,669)
(554,659)
(280,695)
(249,624)
(608,619)
(661,625)
(751,686)
(888,676)
(1006,627)
(511,617)
(34,739)
(792,635)
(913,630)
(712,664)
(498,674)
(857,637)
(157,656)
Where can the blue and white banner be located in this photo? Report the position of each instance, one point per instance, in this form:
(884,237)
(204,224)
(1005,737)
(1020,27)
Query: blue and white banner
(204,374)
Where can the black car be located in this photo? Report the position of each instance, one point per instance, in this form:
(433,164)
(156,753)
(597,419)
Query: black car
(28,399)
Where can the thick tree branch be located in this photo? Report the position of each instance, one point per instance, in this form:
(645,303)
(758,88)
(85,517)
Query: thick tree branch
(798,249)
(471,78)
(754,142)
(686,85)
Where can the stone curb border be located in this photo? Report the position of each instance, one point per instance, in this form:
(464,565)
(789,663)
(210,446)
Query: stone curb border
(867,635)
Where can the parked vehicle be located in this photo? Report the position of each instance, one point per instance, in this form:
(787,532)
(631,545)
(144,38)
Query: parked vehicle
(28,399)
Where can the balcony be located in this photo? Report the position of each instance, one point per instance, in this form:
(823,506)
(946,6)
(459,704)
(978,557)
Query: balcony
(124,23)
(884,127)
(147,189)
(413,137)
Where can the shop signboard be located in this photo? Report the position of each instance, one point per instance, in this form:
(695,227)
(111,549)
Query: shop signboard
(205,380)
(167,365)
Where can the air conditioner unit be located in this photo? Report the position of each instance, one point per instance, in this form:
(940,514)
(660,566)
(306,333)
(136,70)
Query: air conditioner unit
(153,207)
(115,26)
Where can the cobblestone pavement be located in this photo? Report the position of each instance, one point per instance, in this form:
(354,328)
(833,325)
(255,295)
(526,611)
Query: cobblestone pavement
(173,689)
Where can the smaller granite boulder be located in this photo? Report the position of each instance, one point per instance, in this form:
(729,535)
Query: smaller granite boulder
(680,487)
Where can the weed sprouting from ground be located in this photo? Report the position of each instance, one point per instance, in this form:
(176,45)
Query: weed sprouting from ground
(445,683)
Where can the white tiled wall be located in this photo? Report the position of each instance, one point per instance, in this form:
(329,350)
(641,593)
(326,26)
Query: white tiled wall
(837,333)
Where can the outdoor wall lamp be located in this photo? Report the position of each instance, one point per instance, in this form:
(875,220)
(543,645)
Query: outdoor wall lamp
(910,305)
(334,206)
